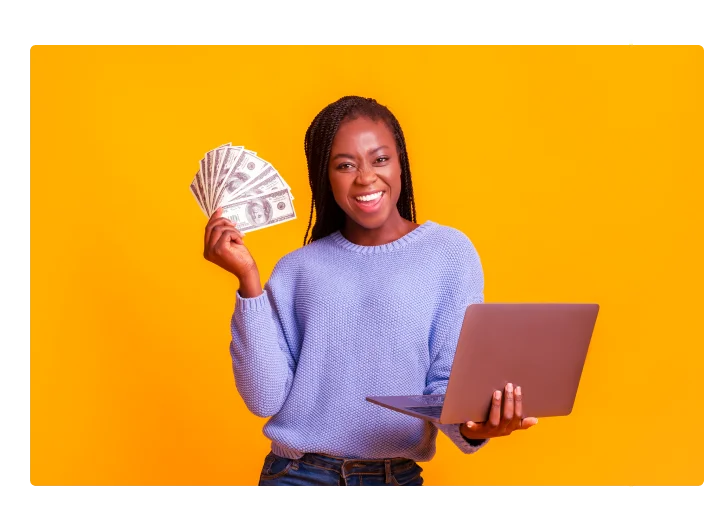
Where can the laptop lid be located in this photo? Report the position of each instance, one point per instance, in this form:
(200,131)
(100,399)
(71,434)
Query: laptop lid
(540,346)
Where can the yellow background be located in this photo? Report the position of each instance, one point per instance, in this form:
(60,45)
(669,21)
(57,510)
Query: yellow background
(576,172)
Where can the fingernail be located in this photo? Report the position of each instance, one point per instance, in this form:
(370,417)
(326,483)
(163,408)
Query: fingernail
(509,387)
(518,390)
(470,424)
(497,394)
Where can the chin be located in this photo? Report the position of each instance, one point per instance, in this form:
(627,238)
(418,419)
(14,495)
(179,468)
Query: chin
(370,223)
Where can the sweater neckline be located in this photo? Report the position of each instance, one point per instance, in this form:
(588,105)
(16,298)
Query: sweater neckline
(406,239)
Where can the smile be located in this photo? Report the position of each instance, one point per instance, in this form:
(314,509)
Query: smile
(369,197)
(370,203)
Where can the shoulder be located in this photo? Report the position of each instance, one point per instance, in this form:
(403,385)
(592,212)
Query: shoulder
(453,244)
(461,272)
(300,259)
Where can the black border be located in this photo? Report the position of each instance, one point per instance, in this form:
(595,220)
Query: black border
(16,114)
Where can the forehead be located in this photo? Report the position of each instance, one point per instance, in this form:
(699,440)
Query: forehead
(362,133)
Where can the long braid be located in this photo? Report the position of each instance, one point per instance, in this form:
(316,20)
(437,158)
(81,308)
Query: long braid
(329,217)
(407,206)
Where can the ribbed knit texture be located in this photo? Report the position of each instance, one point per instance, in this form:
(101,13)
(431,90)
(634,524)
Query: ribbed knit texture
(338,322)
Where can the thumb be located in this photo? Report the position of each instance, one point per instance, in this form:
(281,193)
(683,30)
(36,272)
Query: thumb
(216,214)
(528,422)
(472,426)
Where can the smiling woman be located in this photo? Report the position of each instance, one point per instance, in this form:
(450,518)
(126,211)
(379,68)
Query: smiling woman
(371,304)
(367,156)
(365,176)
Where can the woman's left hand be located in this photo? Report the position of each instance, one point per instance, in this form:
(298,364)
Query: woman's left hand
(501,423)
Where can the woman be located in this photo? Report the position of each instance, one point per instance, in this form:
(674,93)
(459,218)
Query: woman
(372,304)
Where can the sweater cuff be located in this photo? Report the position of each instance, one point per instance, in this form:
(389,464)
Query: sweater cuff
(465,445)
(254,304)
(473,441)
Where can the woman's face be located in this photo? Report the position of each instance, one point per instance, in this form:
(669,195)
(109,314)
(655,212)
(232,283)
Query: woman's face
(363,163)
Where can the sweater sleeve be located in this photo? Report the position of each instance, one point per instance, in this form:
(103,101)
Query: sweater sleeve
(466,287)
(263,359)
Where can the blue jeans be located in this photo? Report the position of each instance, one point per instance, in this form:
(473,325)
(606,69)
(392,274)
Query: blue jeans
(315,469)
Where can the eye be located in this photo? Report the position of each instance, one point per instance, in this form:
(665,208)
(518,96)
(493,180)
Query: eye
(343,165)
(382,158)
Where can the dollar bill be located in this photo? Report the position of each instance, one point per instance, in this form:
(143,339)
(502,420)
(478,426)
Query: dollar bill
(216,160)
(247,167)
(200,204)
(212,157)
(197,190)
(250,190)
(227,163)
(267,182)
(262,211)
(205,193)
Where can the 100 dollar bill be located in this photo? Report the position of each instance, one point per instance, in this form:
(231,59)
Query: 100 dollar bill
(246,168)
(266,183)
(258,212)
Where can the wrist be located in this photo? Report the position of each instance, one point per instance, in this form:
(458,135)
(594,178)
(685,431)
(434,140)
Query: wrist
(250,284)
(465,431)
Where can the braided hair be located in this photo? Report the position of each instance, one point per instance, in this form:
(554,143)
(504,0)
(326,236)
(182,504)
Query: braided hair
(329,217)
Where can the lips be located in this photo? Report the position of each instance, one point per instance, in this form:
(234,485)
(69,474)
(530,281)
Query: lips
(367,195)
(370,206)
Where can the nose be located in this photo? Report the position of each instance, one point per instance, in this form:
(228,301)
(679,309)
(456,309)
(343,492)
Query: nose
(366,174)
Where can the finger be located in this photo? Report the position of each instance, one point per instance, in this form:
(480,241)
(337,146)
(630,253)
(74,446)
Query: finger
(220,242)
(495,412)
(211,224)
(217,232)
(214,234)
(229,223)
(528,422)
(216,214)
(220,221)
(517,409)
(473,427)
(507,415)
(226,235)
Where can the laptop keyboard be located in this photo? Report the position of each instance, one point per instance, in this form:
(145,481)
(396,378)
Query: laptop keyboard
(433,412)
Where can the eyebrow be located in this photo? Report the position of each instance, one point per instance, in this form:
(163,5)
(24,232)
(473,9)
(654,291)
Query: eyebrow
(341,155)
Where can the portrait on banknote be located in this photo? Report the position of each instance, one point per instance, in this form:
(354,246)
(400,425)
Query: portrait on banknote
(258,212)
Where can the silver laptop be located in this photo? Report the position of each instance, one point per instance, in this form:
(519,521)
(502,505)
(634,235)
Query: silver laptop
(540,346)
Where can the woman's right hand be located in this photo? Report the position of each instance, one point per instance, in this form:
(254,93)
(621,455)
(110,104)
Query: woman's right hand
(224,247)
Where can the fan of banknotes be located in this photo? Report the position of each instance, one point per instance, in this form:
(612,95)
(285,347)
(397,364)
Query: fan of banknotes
(250,190)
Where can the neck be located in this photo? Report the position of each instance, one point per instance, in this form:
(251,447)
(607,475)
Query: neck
(394,228)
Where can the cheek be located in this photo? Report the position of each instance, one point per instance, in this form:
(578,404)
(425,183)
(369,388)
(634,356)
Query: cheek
(394,180)
(340,188)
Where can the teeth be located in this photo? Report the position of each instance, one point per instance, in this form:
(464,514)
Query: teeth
(369,197)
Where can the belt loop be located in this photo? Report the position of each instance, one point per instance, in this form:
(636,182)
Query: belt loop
(387,470)
(294,466)
(342,468)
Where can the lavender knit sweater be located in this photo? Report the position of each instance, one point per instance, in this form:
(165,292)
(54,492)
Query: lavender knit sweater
(338,322)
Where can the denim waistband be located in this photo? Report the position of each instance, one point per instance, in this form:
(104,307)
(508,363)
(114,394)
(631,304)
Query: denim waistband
(357,466)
